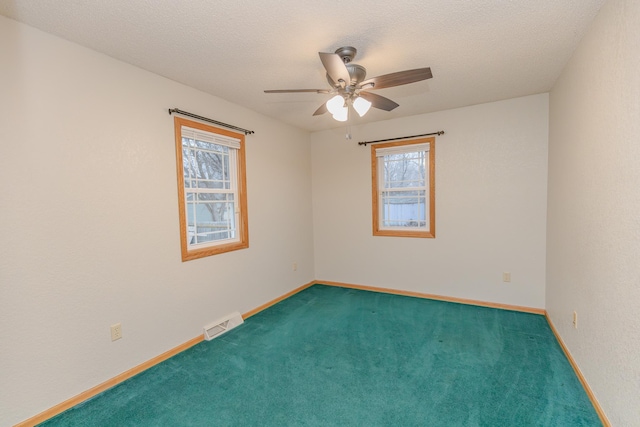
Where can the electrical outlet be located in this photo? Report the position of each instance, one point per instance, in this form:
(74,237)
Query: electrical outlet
(116,331)
(575,319)
(295,266)
(506,276)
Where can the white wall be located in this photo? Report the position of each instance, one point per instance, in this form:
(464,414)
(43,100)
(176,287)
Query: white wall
(89,220)
(593,239)
(491,180)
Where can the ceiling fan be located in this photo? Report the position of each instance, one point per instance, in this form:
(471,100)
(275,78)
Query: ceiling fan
(347,81)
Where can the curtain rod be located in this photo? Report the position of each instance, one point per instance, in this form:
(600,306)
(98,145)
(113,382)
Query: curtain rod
(195,116)
(400,137)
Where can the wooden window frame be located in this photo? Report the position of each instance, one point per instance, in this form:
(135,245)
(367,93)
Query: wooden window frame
(242,241)
(377,230)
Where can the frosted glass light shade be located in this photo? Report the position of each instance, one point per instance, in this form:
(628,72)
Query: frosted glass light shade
(335,104)
(361,106)
(342,114)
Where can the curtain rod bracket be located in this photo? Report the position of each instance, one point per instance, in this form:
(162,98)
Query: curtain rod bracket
(400,137)
(195,116)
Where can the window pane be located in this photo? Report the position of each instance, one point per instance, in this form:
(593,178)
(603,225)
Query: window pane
(406,206)
(191,223)
(206,161)
(186,166)
(210,216)
(213,221)
(404,170)
(404,211)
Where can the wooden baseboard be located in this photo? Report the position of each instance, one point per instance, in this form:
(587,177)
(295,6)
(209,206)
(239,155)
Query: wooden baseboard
(434,297)
(596,405)
(69,403)
(61,407)
(583,381)
(275,301)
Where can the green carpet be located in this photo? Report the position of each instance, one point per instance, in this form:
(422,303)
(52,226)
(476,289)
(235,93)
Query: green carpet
(331,356)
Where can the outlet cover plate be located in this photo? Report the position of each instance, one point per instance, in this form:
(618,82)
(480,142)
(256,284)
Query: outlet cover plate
(116,332)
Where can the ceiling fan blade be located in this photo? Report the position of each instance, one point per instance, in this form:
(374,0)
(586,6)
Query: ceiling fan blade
(397,79)
(321,110)
(335,67)
(297,90)
(378,101)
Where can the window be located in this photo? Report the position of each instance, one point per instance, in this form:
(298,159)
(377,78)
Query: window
(403,188)
(211,189)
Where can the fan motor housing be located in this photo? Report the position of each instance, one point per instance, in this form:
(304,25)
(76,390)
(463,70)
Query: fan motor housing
(356,72)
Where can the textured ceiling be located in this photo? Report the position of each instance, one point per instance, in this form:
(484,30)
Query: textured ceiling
(479,51)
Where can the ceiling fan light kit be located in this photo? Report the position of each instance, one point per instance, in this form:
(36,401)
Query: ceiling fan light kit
(349,87)
(361,106)
(342,115)
(335,104)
